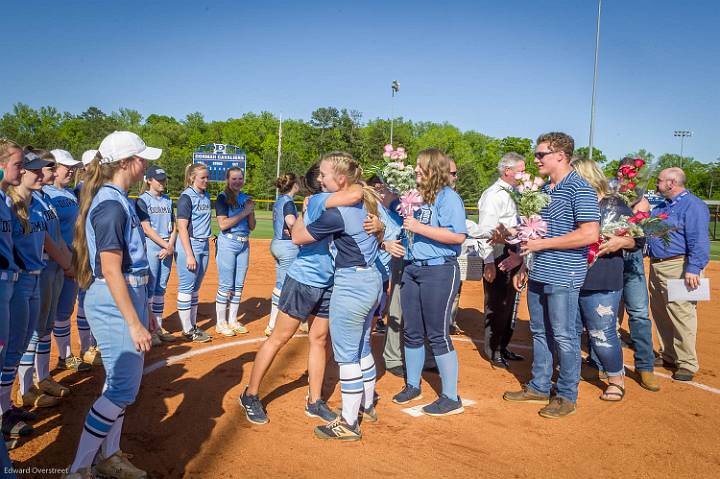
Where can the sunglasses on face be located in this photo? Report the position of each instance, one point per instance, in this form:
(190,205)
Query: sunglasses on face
(453,174)
(542,154)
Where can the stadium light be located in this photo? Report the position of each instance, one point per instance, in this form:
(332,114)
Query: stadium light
(595,75)
(395,86)
(682,134)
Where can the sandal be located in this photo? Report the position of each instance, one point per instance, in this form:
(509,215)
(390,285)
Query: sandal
(619,395)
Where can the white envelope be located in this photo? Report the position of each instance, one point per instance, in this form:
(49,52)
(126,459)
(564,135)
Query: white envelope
(677,291)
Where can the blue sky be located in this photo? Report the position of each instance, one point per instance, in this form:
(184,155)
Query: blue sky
(503,68)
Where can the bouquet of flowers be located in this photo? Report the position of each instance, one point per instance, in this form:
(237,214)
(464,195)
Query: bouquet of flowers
(653,226)
(399,177)
(629,177)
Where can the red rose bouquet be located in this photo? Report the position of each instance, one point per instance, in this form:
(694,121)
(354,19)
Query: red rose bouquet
(629,178)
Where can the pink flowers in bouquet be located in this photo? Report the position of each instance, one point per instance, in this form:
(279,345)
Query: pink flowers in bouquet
(398,154)
(410,202)
(527,183)
(532,227)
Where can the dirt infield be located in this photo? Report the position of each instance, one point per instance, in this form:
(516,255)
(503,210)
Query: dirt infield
(187,421)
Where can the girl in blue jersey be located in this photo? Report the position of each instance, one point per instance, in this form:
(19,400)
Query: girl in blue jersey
(235,212)
(157,217)
(112,266)
(356,292)
(193,223)
(305,296)
(29,226)
(281,246)
(430,282)
(58,264)
(11,170)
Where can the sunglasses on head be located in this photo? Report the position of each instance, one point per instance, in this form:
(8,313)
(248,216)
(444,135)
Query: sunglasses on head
(542,154)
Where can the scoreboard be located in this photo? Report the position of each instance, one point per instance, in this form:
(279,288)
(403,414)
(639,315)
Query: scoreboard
(219,158)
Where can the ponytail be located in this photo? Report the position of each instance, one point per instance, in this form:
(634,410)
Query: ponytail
(285,182)
(20,208)
(96,175)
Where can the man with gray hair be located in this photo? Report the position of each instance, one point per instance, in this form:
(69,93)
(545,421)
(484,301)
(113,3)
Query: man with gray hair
(497,207)
(684,257)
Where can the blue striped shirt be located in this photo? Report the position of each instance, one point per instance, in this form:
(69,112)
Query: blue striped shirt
(573,201)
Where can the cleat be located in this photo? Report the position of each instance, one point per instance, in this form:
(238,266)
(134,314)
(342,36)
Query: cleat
(36,398)
(74,362)
(369,414)
(239,328)
(339,430)
(304,327)
(224,330)
(53,388)
(92,356)
(197,335)
(14,427)
(118,466)
(165,335)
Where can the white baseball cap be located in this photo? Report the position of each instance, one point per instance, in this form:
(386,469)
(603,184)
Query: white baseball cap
(125,144)
(64,158)
(88,156)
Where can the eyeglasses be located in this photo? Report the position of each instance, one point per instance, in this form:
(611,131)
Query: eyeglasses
(542,154)
(453,173)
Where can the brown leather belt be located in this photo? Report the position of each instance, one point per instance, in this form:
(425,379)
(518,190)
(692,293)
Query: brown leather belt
(660,260)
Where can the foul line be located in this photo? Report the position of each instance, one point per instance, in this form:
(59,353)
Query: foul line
(181,357)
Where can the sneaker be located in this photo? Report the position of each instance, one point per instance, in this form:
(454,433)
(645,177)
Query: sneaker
(74,362)
(339,430)
(197,335)
(526,395)
(319,409)
(253,408)
(409,393)
(92,356)
(369,414)
(155,339)
(304,327)
(14,427)
(119,466)
(165,335)
(53,388)
(224,330)
(683,374)
(268,331)
(444,406)
(36,398)
(239,328)
(84,473)
(649,381)
(558,408)
(22,414)
(455,329)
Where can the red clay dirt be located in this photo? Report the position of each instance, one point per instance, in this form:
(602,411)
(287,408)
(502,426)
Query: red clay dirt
(187,421)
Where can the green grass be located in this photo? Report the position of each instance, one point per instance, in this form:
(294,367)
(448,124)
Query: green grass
(715,250)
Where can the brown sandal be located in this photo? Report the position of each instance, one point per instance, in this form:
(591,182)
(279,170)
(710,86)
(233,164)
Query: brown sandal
(619,395)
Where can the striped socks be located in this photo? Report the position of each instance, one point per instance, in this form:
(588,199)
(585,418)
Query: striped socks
(61,331)
(195,301)
(158,308)
(351,389)
(26,368)
(367,365)
(221,304)
(112,441)
(86,339)
(42,358)
(234,306)
(7,378)
(184,301)
(274,307)
(98,425)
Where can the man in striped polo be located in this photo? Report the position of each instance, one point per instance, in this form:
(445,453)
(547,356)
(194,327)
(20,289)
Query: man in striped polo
(557,272)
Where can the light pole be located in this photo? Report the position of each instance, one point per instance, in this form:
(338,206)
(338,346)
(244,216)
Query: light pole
(279,156)
(395,86)
(682,134)
(595,74)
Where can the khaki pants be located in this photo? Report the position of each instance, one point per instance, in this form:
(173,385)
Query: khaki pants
(676,322)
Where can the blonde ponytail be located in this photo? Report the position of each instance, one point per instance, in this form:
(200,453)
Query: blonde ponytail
(20,208)
(190,172)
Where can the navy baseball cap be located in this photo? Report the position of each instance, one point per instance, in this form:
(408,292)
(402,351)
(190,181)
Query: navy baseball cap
(156,172)
(33,162)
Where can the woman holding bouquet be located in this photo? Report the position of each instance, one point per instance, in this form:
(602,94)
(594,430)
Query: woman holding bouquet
(601,292)
(431,280)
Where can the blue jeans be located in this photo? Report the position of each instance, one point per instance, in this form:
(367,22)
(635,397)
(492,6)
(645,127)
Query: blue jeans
(190,281)
(635,296)
(24,312)
(598,313)
(354,297)
(122,362)
(284,252)
(232,264)
(159,269)
(553,316)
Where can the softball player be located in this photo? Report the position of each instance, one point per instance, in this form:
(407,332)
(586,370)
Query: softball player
(281,246)
(430,282)
(235,212)
(112,266)
(193,215)
(355,294)
(305,294)
(29,226)
(157,217)
(11,172)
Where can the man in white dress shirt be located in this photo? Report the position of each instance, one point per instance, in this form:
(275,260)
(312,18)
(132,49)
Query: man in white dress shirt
(497,207)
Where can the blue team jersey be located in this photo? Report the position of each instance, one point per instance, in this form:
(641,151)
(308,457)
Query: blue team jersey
(313,265)
(196,208)
(354,246)
(51,216)
(393,224)
(67,207)
(223,208)
(448,211)
(158,210)
(112,225)
(283,207)
(7,260)
(28,246)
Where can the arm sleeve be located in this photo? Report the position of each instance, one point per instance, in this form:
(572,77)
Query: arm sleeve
(221,206)
(329,223)
(184,209)
(697,237)
(289,208)
(585,207)
(108,221)
(451,212)
(141,210)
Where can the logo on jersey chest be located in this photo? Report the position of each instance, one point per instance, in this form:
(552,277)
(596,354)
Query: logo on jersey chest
(38,226)
(64,203)
(424,214)
(5,226)
(204,206)
(50,214)
(159,210)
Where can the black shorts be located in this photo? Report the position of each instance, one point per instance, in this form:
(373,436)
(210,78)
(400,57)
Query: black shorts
(300,301)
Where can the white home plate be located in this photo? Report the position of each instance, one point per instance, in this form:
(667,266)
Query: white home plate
(416,411)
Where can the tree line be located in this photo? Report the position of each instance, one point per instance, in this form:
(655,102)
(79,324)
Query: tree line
(329,128)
